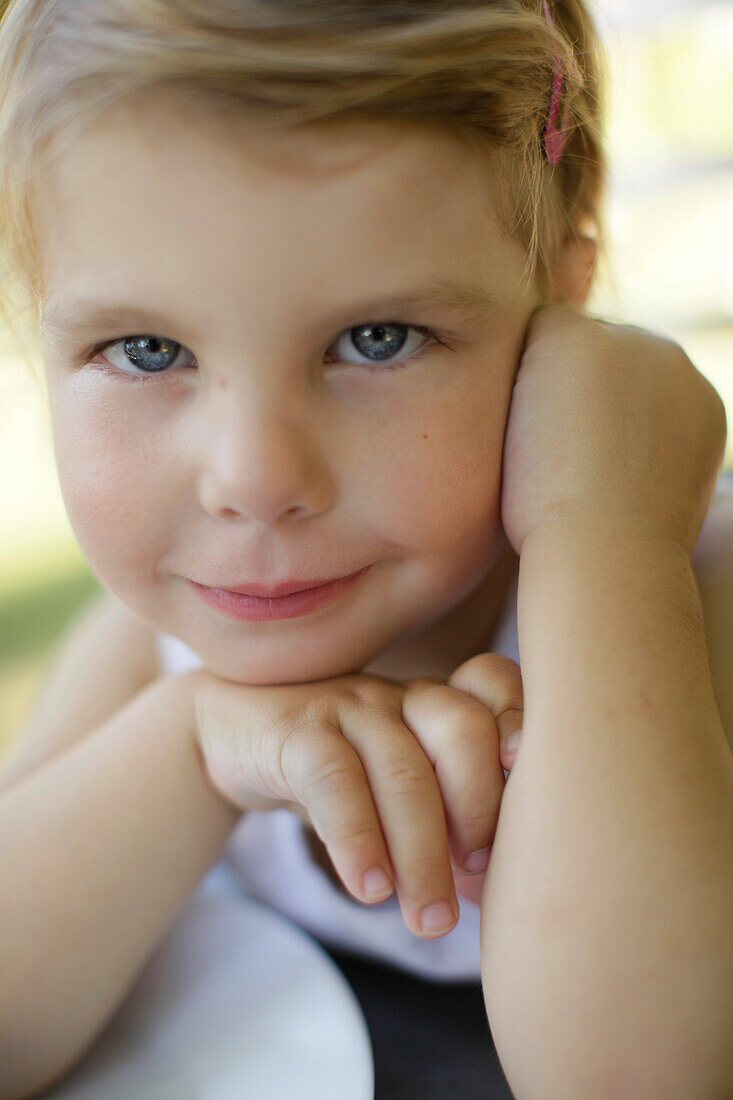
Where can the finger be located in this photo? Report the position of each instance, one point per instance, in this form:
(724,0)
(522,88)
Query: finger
(325,774)
(495,680)
(460,737)
(412,816)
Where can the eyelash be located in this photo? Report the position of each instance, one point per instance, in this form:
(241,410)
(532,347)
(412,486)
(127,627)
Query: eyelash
(86,359)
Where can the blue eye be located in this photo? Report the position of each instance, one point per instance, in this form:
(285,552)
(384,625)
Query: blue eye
(377,342)
(381,341)
(150,354)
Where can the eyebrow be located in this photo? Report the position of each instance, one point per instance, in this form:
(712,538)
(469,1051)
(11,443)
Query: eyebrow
(76,314)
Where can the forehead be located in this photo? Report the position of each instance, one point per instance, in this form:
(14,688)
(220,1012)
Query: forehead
(166,198)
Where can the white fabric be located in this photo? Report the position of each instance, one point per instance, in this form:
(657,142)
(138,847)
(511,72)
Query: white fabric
(235,1001)
(270,855)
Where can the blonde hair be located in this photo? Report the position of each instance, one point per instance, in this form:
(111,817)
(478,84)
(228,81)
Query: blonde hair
(480,70)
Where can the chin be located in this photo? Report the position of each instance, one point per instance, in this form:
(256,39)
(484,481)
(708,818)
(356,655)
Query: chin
(280,669)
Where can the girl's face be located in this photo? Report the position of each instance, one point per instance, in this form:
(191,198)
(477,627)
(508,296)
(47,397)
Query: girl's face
(283,435)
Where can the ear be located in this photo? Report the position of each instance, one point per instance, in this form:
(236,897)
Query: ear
(573,270)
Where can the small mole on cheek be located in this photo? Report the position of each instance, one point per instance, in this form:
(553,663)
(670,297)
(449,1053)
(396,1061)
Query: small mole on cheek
(425,437)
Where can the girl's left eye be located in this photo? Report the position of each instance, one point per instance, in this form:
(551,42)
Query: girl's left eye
(378,343)
(384,339)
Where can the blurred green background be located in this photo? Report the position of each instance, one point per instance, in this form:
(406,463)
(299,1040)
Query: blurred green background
(670,223)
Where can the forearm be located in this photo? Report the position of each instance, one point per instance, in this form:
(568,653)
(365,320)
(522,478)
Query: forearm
(100,848)
(607,950)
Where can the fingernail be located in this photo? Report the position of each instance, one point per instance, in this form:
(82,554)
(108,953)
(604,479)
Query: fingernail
(437,918)
(513,741)
(477,861)
(376,883)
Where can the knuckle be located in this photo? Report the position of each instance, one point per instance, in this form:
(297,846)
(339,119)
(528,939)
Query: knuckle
(509,712)
(349,833)
(479,823)
(466,743)
(429,866)
(494,679)
(332,777)
(352,684)
(502,665)
(470,746)
(303,739)
(455,708)
(492,666)
(410,777)
(421,683)
(378,695)
(280,767)
(320,708)
(467,722)
(381,707)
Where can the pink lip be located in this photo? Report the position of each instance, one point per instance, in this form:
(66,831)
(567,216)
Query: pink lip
(275,591)
(241,605)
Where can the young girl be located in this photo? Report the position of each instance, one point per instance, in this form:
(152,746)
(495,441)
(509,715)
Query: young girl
(309,279)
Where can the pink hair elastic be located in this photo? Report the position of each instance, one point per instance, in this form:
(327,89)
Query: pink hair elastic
(554,138)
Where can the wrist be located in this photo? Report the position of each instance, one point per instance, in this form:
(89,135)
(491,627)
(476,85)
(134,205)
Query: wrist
(179,693)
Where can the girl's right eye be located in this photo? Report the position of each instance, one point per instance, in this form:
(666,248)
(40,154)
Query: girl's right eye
(150,354)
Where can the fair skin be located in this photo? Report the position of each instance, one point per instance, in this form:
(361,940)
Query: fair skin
(335,443)
(612,855)
(259,456)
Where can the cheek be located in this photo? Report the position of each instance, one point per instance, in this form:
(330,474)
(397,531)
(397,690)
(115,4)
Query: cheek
(441,485)
(114,506)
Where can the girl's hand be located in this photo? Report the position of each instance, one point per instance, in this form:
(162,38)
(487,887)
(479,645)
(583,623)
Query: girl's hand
(609,420)
(399,775)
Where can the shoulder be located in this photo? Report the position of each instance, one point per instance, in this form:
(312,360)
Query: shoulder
(126,641)
(712,565)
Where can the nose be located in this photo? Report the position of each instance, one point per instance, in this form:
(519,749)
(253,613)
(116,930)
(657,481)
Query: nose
(261,463)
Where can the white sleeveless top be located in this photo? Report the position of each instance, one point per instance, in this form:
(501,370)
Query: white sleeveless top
(271,862)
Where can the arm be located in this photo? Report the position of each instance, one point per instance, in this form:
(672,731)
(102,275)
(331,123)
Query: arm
(102,846)
(104,657)
(607,954)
